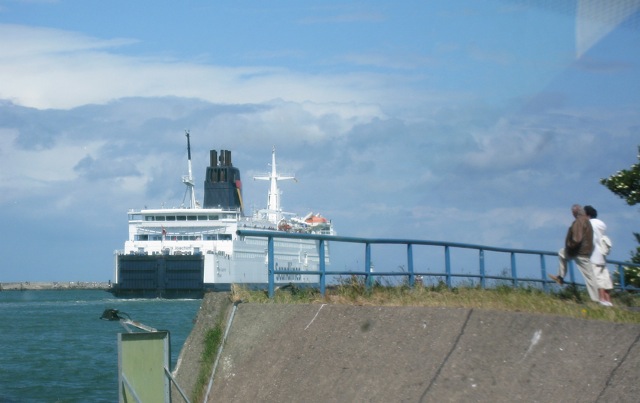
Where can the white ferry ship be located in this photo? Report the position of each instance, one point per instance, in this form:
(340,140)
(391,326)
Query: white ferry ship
(178,252)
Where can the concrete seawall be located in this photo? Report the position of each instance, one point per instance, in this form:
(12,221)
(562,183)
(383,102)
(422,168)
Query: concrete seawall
(338,353)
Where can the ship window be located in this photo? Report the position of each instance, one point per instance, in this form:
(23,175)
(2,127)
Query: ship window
(192,218)
(160,218)
(217,237)
(142,237)
(213,217)
(171,218)
(135,217)
(202,217)
(148,218)
(182,218)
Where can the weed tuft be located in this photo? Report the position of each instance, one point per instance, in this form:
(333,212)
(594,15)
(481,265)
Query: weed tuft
(212,342)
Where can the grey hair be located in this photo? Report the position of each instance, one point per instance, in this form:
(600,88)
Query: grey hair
(577,210)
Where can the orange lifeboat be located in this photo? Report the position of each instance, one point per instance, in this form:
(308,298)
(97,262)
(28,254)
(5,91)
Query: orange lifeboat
(315,220)
(283,225)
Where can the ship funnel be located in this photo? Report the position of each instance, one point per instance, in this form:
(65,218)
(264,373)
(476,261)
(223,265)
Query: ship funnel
(222,185)
(213,158)
(225,158)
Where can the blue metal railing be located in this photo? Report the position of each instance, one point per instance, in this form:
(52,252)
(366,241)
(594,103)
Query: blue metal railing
(411,273)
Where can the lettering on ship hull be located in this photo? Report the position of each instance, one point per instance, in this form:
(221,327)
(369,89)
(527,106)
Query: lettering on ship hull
(289,276)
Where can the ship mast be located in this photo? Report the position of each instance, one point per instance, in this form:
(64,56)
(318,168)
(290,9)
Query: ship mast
(273,201)
(188,180)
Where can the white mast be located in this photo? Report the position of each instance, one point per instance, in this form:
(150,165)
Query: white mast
(273,200)
(188,180)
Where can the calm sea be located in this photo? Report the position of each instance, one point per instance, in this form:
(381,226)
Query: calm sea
(55,348)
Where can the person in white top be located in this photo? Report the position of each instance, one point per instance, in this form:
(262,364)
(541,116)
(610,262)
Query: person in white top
(598,261)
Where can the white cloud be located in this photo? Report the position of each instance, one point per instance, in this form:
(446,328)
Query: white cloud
(19,41)
(508,145)
(28,172)
(57,69)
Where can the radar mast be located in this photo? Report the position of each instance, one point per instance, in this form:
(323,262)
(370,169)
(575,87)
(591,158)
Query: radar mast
(273,203)
(188,180)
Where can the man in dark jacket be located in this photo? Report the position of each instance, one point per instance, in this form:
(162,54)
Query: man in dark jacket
(578,246)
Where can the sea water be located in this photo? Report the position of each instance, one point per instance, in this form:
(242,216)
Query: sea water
(55,348)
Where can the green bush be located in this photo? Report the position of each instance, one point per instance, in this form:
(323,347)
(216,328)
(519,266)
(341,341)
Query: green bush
(631,276)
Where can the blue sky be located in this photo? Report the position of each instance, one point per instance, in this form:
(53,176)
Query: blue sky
(473,122)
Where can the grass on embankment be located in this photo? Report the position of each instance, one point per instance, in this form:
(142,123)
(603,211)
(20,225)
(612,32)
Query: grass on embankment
(567,302)
(212,342)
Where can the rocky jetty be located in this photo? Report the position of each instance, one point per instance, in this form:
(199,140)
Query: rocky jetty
(56,285)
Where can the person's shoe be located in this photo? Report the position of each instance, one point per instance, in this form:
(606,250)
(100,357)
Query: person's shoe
(606,303)
(557,279)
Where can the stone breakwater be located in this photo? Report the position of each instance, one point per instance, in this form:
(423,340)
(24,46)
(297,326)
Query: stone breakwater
(55,285)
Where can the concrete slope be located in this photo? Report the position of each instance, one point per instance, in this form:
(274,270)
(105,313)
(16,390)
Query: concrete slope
(337,353)
(213,309)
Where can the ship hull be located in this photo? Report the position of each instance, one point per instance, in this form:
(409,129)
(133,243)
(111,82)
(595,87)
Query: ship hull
(190,276)
(171,276)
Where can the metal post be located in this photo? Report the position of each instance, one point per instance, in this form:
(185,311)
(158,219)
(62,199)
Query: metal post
(621,275)
(271,264)
(367,264)
(412,277)
(130,389)
(543,272)
(447,264)
(323,273)
(172,379)
(482,273)
(514,271)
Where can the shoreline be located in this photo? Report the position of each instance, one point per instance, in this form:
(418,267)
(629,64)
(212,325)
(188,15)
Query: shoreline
(55,285)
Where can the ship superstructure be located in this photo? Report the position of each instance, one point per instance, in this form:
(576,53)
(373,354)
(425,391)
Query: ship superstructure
(185,251)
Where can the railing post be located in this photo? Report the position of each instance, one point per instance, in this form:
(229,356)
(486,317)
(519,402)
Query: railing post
(482,278)
(271,263)
(322,267)
(621,275)
(447,265)
(367,265)
(543,271)
(514,271)
(412,277)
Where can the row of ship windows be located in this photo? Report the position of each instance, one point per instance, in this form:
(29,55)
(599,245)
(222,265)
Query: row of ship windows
(209,237)
(199,217)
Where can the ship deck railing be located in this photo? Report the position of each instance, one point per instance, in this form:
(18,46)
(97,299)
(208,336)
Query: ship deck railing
(447,272)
